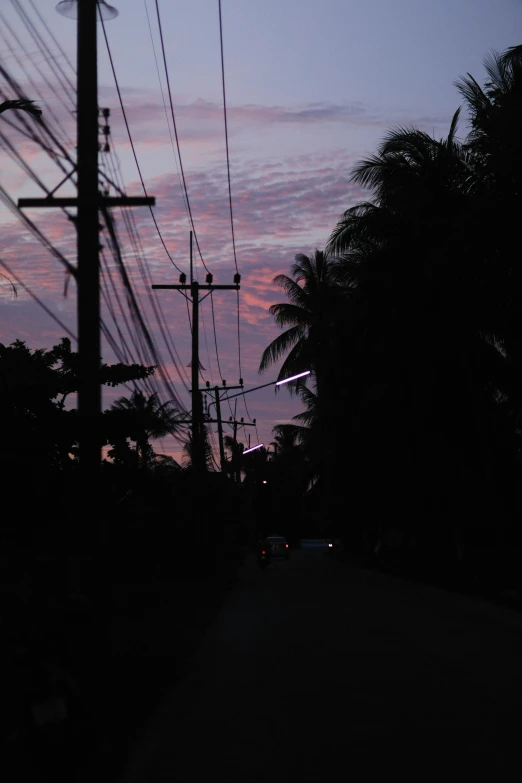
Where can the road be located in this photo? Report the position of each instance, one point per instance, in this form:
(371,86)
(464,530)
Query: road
(315,670)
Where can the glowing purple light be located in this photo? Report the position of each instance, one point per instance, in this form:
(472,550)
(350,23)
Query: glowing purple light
(259,446)
(293,378)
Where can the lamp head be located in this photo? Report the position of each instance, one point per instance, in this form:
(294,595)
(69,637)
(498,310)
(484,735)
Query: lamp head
(69,8)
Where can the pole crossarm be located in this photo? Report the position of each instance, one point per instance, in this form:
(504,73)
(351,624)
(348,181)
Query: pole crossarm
(187,287)
(102,201)
(216,421)
(247,391)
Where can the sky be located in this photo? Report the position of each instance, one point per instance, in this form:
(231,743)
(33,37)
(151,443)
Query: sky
(312,86)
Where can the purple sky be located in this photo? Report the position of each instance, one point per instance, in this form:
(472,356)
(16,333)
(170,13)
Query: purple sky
(311,87)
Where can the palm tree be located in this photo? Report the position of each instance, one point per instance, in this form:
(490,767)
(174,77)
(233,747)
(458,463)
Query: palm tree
(313,295)
(235,449)
(421,330)
(186,460)
(141,418)
(495,145)
(286,438)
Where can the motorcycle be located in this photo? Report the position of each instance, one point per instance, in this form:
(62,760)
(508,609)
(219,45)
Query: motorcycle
(263,557)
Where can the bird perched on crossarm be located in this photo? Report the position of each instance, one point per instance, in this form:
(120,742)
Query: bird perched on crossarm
(22,104)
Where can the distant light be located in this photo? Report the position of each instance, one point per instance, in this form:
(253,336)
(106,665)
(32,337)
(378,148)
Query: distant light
(259,446)
(293,378)
(264,482)
(69,8)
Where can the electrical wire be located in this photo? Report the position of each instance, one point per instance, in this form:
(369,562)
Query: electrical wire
(8,201)
(136,310)
(41,44)
(181,183)
(28,131)
(147,280)
(22,65)
(166,112)
(176,135)
(132,144)
(38,300)
(226,133)
(227,149)
(56,43)
(181,175)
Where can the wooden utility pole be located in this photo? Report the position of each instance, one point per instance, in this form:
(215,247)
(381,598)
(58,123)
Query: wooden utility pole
(88,201)
(222,460)
(89,390)
(219,420)
(198,442)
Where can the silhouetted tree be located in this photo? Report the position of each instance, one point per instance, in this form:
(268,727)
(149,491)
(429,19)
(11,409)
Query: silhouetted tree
(141,418)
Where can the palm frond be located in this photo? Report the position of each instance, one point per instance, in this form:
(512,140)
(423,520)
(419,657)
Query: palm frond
(294,291)
(298,360)
(512,56)
(280,344)
(453,127)
(472,93)
(23,105)
(285,314)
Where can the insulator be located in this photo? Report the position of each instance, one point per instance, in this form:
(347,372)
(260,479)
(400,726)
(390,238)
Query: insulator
(241,381)
(224,382)
(183,278)
(209,278)
(237,278)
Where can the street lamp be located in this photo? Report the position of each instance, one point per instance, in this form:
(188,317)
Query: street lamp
(259,446)
(263,386)
(293,378)
(69,8)
(272,383)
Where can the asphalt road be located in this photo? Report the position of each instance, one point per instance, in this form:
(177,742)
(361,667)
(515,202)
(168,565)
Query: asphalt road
(316,670)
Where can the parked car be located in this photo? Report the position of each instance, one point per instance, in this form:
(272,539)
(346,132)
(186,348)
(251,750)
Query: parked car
(278,546)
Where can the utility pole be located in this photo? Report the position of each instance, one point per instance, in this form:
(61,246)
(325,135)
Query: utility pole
(88,201)
(219,420)
(222,460)
(89,390)
(198,446)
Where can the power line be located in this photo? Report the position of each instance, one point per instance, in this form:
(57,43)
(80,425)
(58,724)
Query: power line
(135,309)
(8,201)
(134,236)
(132,144)
(38,300)
(176,135)
(226,133)
(41,44)
(166,112)
(225,118)
(57,44)
(22,64)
